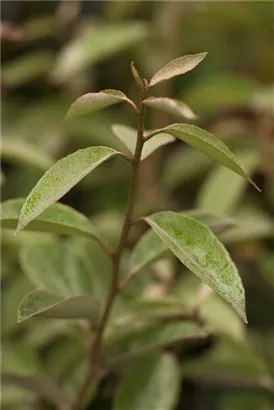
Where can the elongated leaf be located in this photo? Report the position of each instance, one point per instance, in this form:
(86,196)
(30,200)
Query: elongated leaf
(222,189)
(171,106)
(133,341)
(59,179)
(41,385)
(209,144)
(58,218)
(57,268)
(22,153)
(96,43)
(202,253)
(150,247)
(46,304)
(128,136)
(153,383)
(251,224)
(96,101)
(176,67)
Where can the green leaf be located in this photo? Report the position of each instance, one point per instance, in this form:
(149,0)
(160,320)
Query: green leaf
(23,153)
(24,69)
(202,253)
(219,91)
(209,144)
(96,43)
(41,385)
(251,224)
(184,164)
(153,383)
(150,247)
(228,362)
(128,136)
(59,179)
(96,101)
(267,268)
(222,189)
(58,218)
(176,67)
(56,267)
(171,106)
(123,343)
(46,304)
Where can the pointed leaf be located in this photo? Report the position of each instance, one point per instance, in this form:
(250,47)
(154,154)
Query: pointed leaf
(23,153)
(222,189)
(171,106)
(59,179)
(96,101)
(56,267)
(202,253)
(209,144)
(176,67)
(46,304)
(58,218)
(153,383)
(150,247)
(41,385)
(128,136)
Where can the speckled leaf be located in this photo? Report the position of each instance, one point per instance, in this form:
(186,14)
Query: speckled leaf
(23,153)
(47,304)
(54,266)
(202,253)
(209,144)
(96,101)
(176,67)
(171,106)
(150,247)
(128,136)
(153,383)
(59,179)
(58,218)
(222,189)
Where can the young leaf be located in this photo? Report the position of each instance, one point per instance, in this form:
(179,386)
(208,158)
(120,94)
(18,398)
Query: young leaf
(59,179)
(171,106)
(150,247)
(202,253)
(23,153)
(46,304)
(176,67)
(222,189)
(57,268)
(58,218)
(96,101)
(209,144)
(153,383)
(128,136)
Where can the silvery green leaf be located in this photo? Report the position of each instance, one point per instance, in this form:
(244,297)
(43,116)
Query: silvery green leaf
(202,253)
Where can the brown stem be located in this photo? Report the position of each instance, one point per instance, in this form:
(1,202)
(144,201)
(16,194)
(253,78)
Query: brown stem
(94,355)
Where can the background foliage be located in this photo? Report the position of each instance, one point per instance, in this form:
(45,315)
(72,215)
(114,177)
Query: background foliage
(53,52)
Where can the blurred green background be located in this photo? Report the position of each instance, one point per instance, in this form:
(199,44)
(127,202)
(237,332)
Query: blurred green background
(52,52)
